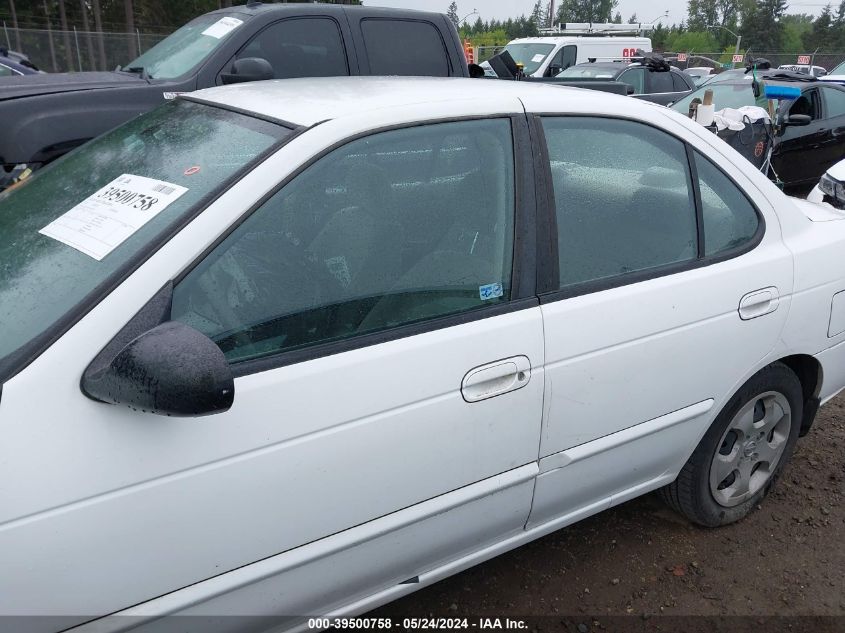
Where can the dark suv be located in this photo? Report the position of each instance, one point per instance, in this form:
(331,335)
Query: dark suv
(47,115)
(661,84)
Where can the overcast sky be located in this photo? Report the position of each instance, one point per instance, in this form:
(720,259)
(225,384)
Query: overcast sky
(646,10)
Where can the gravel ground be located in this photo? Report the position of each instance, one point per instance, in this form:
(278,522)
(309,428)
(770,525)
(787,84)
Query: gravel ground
(640,566)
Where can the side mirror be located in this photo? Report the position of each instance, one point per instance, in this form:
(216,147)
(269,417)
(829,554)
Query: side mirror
(249,69)
(171,370)
(797,120)
(629,89)
(553,70)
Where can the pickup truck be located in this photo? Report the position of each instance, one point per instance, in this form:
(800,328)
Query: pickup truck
(54,113)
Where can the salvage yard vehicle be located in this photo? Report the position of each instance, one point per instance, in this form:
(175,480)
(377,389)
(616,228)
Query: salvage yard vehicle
(831,187)
(56,112)
(297,348)
(14,64)
(651,79)
(812,127)
(574,43)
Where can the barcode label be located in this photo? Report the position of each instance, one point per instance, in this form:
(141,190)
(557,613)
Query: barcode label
(164,189)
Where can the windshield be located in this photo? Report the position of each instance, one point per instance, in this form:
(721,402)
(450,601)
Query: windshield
(724,96)
(588,72)
(184,49)
(531,56)
(73,225)
(839,70)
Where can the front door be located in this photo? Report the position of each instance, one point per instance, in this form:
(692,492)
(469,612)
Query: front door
(384,356)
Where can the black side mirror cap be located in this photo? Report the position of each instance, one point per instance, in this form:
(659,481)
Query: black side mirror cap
(171,369)
(249,69)
(797,120)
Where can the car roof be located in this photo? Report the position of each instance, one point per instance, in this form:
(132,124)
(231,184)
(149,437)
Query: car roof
(308,101)
(314,8)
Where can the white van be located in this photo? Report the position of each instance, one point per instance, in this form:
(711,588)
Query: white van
(547,55)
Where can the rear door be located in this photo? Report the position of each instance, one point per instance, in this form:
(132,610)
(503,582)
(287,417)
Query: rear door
(655,251)
(833,107)
(797,159)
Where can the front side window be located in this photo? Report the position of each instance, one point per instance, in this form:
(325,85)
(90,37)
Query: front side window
(405,47)
(5,71)
(303,47)
(74,224)
(634,77)
(395,228)
(189,46)
(730,220)
(623,197)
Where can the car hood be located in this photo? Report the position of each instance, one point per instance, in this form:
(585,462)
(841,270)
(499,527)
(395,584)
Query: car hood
(837,172)
(819,211)
(53,83)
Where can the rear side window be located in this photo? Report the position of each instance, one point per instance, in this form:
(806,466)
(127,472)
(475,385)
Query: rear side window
(405,47)
(302,47)
(623,197)
(729,219)
(834,101)
(679,83)
(661,82)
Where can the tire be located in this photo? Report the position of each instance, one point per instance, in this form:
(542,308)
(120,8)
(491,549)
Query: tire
(743,452)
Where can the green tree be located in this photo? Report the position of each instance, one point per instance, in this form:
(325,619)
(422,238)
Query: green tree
(586,10)
(452,13)
(762,29)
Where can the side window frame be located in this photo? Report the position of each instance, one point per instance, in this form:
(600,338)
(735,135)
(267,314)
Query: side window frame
(548,273)
(342,34)
(361,40)
(523,263)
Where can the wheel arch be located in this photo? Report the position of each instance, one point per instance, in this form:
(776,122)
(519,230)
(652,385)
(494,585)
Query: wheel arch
(810,374)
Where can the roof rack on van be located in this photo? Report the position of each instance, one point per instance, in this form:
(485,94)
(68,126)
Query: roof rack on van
(579,28)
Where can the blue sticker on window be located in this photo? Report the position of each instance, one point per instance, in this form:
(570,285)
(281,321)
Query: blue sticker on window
(490,291)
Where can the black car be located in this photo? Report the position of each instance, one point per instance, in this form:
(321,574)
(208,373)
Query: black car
(47,115)
(14,64)
(802,151)
(659,83)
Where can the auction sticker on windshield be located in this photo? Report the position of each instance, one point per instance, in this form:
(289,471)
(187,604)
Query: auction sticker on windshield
(222,27)
(106,219)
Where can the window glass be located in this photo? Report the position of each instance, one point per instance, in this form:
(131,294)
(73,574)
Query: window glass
(531,56)
(834,101)
(661,82)
(5,71)
(679,83)
(187,47)
(623,198)
(634,77)
(395,228)
(188,145)
(729,218)
(402,47)
(807,104)
(303,47)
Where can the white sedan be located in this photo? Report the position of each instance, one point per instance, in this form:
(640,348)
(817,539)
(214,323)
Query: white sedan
(294,349)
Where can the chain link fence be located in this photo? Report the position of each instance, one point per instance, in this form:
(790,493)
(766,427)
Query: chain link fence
(825,59)
(70,51)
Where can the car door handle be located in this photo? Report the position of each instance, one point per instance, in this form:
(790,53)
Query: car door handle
(758,303)
(494,379)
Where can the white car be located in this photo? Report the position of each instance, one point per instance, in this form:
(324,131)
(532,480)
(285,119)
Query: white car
(831,187)
(805,69)
(291,350)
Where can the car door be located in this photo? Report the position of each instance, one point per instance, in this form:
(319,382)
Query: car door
(833,107)
(379,315)
(796,158)
(665,287)
(306,46)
